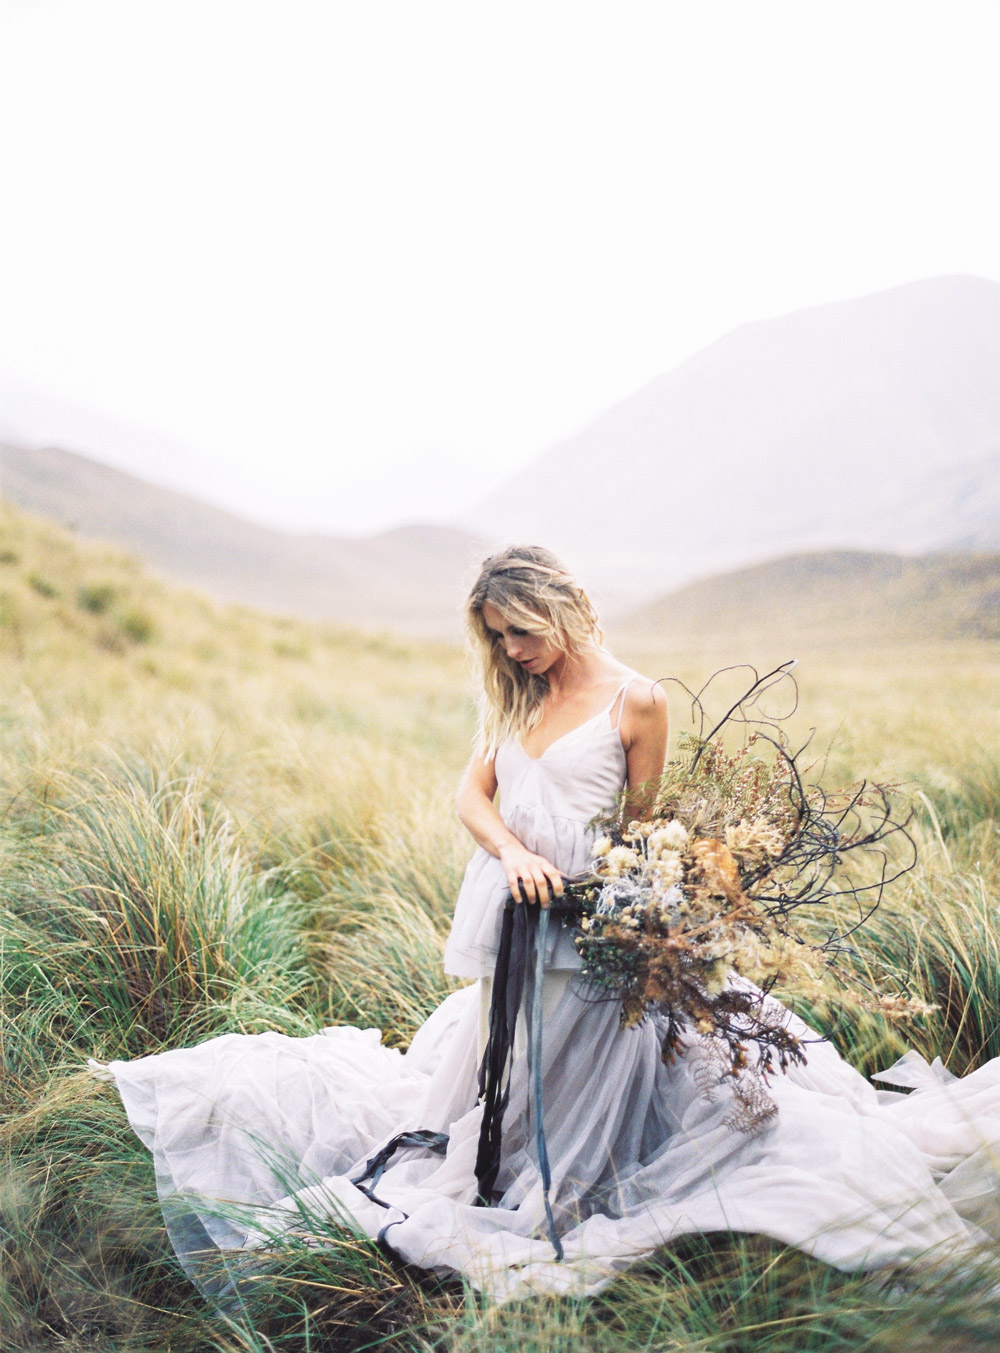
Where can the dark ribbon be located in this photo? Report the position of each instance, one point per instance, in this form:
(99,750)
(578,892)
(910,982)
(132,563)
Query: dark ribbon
(525,926)
(522,923)
(494,1085)
(375,1168)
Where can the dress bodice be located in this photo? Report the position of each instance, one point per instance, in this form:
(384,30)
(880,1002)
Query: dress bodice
(576,777)
(548,802)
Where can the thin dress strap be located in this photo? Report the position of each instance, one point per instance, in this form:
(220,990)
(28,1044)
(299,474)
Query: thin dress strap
(620,692)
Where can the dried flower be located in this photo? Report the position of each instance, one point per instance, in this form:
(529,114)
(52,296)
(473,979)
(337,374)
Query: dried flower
(671,837)
(620,860)
(755,841)
(715,977)
(667,870)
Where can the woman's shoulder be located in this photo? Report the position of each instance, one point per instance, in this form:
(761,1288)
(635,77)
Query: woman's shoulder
(644,704)
(643,692)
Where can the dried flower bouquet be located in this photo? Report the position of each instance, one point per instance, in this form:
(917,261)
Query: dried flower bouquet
(725,890)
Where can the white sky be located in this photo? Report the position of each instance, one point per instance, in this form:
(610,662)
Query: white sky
(364,259)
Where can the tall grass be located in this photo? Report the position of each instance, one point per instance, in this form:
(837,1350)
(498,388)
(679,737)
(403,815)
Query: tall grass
(740,1294)
(82,1258)
(131,920)
(216,821)
(939,930)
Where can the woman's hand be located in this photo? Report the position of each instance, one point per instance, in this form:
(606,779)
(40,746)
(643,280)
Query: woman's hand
(540,880)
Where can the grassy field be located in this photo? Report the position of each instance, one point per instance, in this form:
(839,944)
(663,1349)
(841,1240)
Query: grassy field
(215,820)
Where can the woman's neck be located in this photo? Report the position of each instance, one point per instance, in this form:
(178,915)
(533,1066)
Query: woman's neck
(574,672)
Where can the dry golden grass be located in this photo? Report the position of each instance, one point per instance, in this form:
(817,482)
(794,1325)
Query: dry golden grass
(219,820)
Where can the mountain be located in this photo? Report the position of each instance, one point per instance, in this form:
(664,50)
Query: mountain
(411,579)
(832,597)
(872,425)
(33,417)
(869,424)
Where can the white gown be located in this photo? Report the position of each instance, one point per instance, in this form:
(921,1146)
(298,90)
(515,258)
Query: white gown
(640,1153)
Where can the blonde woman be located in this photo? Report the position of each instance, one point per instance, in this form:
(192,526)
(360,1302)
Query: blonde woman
(253,1136)
(564,728)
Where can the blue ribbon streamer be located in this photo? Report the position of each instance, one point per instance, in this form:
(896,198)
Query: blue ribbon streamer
(535,1069)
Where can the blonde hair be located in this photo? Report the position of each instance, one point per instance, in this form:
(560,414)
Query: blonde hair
(532,590)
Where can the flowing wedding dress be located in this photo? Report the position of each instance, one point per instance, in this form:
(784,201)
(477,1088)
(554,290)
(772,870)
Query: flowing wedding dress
(254,1134)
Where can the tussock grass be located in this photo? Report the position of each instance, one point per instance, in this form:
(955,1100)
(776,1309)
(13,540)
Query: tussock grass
(132,921)
(212,820)
(384,967)
(340,1292)
(939,930)
(741,1294)
(82,1258)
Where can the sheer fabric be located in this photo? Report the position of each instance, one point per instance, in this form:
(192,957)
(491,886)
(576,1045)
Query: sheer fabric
(641,1152)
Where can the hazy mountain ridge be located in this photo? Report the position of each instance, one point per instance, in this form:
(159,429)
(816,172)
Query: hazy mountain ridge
(836,596)
(834,427)
(871,424)
(410,579)
(413,579)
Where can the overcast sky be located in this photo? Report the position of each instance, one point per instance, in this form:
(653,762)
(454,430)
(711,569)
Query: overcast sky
(364,259)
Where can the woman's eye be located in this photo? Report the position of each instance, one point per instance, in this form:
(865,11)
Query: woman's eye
(520,633)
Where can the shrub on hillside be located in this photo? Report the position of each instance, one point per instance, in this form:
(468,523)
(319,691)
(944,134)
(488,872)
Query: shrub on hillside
(137,625)
(96,597)
(42,585)
(10,611)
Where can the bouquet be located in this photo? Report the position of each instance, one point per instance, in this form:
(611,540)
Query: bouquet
(725,889)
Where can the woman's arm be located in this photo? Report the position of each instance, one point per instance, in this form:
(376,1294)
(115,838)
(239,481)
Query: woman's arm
(477,813)
(644,736)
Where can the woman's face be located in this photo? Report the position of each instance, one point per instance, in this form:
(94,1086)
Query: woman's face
(534,652)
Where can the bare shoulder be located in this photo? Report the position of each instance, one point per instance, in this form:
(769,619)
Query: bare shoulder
(644,698)
(645,711)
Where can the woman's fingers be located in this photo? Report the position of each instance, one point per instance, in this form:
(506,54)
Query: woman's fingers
(549,884)
(528,887)
(533,882)
(516,885)
(522,886)
(542,888)
(536,881)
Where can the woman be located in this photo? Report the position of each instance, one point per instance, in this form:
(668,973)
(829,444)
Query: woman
(640,1151)
(565,727)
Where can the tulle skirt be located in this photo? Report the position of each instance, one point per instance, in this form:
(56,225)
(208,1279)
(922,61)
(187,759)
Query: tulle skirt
(254,1135)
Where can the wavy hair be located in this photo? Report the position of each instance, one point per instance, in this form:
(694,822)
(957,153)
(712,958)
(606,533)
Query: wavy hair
(533,591)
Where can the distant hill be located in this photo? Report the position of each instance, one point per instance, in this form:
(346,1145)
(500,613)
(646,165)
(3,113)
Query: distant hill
(411,579)
(869,424)
(838,596)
